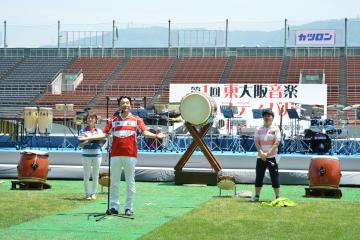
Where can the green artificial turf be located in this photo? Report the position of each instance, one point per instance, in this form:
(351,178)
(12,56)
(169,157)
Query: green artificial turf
(167,211)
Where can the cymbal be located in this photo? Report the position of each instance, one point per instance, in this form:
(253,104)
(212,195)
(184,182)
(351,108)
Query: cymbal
(304,118)
(348,108)
(346,122)
(336,106)
(317,107)
(170,114)
(351,107)
(175,120)
(159,107)
(298,106)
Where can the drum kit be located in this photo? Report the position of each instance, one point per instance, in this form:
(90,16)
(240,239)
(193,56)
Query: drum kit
(321,136)
(164,117)
(324,135)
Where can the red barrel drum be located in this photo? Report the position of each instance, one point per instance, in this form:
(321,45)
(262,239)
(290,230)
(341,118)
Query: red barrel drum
(324,171)
(33,165)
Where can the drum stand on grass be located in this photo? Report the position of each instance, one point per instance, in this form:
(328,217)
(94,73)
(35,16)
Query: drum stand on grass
(192,177)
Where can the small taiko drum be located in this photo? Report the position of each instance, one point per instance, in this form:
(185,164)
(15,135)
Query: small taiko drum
(30,119)
(198,108)
(33,165)
(324,171)
(45,120)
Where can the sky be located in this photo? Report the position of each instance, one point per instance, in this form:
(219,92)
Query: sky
(34,23)
(23,12)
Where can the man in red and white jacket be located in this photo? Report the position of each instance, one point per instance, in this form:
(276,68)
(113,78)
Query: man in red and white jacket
(123,126)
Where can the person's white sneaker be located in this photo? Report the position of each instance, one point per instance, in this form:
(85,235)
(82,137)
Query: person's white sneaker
(255,199)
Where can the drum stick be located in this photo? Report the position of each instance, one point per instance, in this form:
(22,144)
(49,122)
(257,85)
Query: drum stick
(271,163)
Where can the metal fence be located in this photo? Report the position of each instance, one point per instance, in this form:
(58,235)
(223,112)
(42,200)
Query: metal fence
(180,52)
(228,37)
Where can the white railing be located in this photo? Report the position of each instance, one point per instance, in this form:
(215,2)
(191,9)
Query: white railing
(56,84)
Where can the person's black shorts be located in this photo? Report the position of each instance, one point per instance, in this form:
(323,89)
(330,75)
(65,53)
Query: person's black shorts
(273,167)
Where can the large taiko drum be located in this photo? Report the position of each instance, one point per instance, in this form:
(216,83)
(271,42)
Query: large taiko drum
(198,108)
(33,165)
(30,119)
(324,171)
(45,120)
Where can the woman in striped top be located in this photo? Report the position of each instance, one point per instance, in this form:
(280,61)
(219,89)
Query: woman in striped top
(267,139)
(91,156)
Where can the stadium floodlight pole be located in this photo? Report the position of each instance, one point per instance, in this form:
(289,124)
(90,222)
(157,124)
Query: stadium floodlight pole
(169,39)
(346,32)
(58,26)
(285,32)
(226,32)
(5,45)
(113,35)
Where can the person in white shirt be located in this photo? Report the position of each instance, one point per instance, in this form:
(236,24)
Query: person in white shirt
(267,139)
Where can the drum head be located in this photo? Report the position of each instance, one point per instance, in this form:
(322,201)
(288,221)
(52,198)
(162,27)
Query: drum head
(195,108)
(29,152)
(325,158)
(30,108)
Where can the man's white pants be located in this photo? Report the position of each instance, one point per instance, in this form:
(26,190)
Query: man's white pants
(91,164)
(117,165)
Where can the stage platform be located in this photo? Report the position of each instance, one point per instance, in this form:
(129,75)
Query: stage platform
(159,166)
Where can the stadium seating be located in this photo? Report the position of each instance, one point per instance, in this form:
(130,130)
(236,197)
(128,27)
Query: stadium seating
(199,70)
(96,71)
(141,77)
(256,70)
(24,79)
(6,64)
(353,78)
(28,80)
(330,65)
(196,70)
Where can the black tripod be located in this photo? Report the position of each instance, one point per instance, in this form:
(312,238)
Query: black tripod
(100,216)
